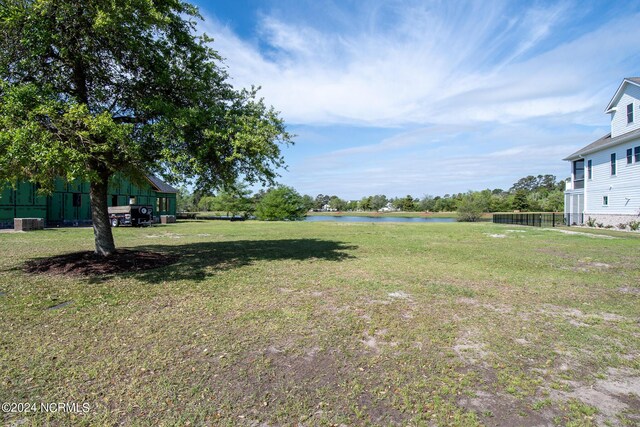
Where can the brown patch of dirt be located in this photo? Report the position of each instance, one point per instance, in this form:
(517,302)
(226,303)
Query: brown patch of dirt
(502,410)
(90,264)
(617,394)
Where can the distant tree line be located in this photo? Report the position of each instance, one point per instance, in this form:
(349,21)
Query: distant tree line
(542,193)
(277,203)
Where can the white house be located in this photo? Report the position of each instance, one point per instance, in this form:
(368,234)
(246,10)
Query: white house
(605,175)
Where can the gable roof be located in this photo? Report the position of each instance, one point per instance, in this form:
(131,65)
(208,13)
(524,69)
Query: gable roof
(602,143)
(616,96)
(160,185)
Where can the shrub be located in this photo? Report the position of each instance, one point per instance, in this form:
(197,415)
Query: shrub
(280,204)
(599,224)
(622,226)
(469,210)
(634,225)
(591,222)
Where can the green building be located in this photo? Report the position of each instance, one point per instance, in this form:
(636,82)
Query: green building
(69,204)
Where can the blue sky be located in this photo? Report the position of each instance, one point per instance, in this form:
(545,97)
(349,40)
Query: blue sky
(428,97)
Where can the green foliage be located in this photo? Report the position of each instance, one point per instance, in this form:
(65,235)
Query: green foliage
(91,88)
(320,201)
(405,204)
(124,86)
(235,201)
(378,202)
(365,203)
(427,203)
(540,193)
(280,204)
(535,183)
(470,208)
(445,204)
(520,201)
(634,225)
(553,202)
(352,205)
(207,203)
(337,203)
(308,202)
(185,201)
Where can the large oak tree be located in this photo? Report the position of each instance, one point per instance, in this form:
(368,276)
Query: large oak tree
(91,88)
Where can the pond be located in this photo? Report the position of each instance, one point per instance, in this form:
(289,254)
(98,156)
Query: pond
(337,218)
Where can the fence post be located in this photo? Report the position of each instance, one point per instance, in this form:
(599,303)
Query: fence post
(553,219)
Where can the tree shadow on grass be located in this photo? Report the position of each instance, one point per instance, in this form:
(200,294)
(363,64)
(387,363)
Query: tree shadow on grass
(196,261)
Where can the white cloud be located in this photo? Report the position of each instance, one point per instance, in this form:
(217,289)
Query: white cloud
(434,66)
(479,95)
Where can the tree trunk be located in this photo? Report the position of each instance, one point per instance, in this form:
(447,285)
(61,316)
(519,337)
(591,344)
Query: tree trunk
(105,245)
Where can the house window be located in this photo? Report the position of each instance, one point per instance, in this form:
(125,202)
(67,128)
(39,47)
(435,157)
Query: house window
(589,169)
(132,200)
(630,113)
(163,204)
(629,156)
(77,200)
(605,200)
(114,200)
(613,163)
(578,174)
(636,154)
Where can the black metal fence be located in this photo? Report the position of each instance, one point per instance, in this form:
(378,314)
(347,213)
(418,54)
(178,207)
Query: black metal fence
(535,219)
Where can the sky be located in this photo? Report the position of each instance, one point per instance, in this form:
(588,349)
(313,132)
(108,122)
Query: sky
(428,97)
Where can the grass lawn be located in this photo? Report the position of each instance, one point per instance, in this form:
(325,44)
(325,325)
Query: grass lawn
(328,323)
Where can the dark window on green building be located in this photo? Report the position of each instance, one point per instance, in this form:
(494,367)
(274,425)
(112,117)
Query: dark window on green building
(114,200)
(162,205)
(77,200)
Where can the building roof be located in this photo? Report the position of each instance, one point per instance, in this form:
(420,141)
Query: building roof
(602,143)
(616,96)
(160,185)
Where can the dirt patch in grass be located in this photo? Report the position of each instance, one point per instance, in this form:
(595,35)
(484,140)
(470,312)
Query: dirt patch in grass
(625,290)
(580,233)
(618,393)
(89,264)
(496,409)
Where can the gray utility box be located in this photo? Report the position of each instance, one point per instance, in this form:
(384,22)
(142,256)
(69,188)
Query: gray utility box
(167,219)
